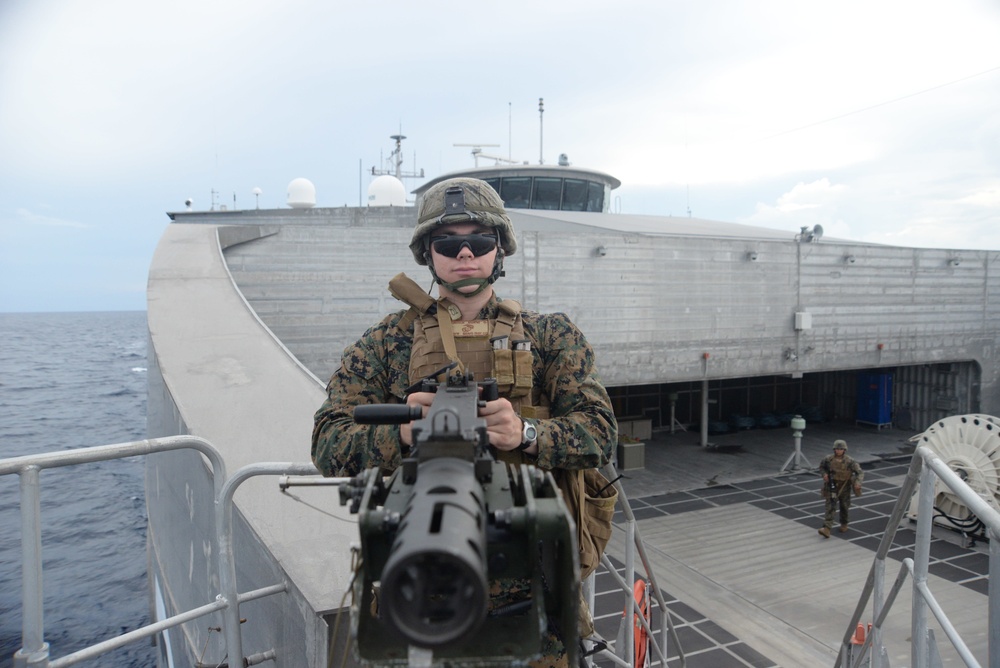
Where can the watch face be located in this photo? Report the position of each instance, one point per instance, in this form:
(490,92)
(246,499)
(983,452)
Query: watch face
(529,432)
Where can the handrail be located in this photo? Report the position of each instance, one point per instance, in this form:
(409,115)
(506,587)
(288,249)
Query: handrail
(634,539)
(34,650)
(224,529)
(925,468)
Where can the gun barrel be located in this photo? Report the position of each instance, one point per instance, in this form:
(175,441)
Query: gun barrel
(434,583)
(386,413)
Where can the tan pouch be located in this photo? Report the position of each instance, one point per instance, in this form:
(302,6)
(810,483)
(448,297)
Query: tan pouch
(522,373)
(503,369)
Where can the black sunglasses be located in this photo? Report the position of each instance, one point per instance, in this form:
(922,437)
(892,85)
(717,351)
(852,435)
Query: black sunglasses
(452,245)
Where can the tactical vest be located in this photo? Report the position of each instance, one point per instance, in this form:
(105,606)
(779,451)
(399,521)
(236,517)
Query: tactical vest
(840,469)
(496,348)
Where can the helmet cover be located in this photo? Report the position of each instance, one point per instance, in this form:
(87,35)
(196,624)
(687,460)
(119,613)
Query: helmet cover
(461,200)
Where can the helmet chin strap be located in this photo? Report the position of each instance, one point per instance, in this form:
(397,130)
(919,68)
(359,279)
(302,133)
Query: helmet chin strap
(483,283)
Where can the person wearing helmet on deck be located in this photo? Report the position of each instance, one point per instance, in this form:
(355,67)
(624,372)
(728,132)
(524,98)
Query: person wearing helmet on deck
(841,476)
(555,413)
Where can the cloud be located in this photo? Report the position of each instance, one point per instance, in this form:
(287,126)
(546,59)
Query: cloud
(864,118)
(805,205)
(986,197)
(23,216)
(921,213)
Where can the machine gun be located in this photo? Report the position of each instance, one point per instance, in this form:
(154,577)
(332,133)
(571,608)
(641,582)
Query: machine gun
(832,490)
(832,485)
(450,521)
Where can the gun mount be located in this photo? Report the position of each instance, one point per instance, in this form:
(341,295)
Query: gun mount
(451,522)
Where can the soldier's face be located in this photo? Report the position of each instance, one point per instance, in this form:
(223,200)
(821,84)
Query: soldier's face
(466,264)
(839,452)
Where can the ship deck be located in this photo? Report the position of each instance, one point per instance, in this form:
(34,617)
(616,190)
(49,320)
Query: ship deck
(733,544)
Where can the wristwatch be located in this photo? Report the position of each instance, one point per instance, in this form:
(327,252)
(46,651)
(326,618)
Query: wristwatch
(529,435)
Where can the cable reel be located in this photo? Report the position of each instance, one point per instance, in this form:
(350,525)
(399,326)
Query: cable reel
(970,446)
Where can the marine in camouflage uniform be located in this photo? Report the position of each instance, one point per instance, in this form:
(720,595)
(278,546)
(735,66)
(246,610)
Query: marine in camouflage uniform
(846,476)
(558,394)
(375,370)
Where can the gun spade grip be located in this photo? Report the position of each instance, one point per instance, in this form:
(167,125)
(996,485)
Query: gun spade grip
(489,390)
(386,413)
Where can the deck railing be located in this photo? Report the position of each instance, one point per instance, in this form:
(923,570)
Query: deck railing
(925,468)
(634,546)
(34,650)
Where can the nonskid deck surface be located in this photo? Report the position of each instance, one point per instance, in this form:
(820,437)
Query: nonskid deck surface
(747,578)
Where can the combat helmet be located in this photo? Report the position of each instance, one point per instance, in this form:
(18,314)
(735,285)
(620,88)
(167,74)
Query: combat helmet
(840,445)
(462,200)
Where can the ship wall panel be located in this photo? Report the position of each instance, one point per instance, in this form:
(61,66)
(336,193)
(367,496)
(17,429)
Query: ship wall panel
(653,306)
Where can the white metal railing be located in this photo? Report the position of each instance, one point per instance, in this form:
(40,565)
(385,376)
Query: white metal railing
(925,467)
(624,656)
(620,656)
(34,650)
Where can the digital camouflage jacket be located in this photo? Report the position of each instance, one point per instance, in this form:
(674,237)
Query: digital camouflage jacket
(580,433)
(845,472)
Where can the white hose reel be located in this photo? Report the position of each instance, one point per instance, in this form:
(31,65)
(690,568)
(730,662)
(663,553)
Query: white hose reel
(970,446)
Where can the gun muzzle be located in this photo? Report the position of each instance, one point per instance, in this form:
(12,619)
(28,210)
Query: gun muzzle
(434,588)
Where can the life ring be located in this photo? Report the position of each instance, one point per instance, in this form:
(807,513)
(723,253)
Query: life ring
(638,630)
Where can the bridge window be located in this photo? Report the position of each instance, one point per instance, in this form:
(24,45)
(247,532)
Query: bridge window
(515,191)
(595,197)
(547,193)
(575,195)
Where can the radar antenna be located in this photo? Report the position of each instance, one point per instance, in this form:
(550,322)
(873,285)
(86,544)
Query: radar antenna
(395,161)
(477,153)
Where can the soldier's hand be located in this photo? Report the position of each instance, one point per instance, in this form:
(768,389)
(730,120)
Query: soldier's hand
(422,399)
(503,425)
(857,490)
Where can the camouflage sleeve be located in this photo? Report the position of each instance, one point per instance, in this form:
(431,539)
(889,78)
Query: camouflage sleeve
(581,431)
(857,473)
(339,446)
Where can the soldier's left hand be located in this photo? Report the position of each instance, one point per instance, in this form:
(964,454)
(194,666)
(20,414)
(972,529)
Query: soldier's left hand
(503,425)
(422,399)
(857,490)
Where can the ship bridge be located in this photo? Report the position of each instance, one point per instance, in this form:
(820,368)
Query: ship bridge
(545,187)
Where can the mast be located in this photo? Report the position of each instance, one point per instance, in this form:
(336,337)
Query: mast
(541,153)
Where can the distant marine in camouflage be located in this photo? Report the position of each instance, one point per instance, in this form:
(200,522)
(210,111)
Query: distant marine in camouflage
(841,476)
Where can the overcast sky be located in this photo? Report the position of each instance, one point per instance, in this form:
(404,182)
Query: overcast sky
(878,120)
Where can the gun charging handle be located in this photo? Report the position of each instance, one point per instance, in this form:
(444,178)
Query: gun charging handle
(386,413)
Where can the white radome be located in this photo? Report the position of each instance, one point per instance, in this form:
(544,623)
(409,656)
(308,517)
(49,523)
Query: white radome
(301,194)
(386,190)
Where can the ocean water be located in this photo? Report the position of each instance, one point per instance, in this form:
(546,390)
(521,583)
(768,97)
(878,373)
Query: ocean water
(71,380)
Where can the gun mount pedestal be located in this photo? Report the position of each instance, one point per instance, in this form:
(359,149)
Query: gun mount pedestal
(432,595)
